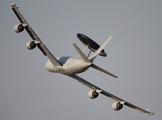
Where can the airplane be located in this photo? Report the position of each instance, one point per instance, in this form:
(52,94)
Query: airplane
(71,66)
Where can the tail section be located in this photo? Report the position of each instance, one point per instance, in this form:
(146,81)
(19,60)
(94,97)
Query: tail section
(89,62)
(99,49)
(102,70)
(82,55)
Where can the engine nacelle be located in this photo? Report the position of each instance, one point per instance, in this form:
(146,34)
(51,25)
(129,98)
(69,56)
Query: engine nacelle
(30,45)
(117,106)
(93,94)
(18,28)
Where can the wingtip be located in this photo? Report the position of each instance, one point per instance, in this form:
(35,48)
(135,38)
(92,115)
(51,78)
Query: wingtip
(116,76)
(109,38)
(152,113)
(13,4)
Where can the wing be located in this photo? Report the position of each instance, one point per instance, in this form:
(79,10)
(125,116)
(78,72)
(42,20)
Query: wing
(33,35)
(91,86)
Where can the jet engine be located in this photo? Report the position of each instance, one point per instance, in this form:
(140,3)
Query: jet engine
(30,45)
(93,94)
(117,106)
(18,28)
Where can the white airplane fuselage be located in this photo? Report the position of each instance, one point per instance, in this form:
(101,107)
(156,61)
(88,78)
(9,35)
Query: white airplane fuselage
(70,65)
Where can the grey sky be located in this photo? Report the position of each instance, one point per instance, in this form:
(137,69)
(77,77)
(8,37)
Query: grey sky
(29,92)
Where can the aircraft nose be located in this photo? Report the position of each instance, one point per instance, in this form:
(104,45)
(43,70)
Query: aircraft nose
(49,66)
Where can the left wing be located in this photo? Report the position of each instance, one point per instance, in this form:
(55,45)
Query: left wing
(33,35)
(91,86)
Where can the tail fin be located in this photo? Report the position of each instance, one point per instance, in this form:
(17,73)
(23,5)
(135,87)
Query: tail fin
(85,59)
(100,49)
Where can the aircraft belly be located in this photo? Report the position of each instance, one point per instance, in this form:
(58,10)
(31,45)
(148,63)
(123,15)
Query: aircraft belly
(71,66)
(77,67)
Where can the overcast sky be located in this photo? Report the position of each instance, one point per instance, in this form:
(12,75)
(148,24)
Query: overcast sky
(29,92)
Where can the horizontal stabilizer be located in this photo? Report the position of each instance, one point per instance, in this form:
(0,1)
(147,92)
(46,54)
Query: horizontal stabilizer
(82,55)
(102,70)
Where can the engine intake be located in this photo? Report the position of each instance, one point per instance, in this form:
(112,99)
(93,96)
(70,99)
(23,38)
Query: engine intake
(30,45)
(18,28)
(117,106)
(93,94)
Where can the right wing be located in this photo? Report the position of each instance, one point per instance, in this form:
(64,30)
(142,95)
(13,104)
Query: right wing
(33,35)
(91,86)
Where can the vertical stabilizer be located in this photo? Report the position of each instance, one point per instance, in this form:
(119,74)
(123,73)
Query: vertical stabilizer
(99,49)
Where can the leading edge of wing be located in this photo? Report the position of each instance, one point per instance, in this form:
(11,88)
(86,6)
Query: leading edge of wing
(127,103)
(24,23)
(138,108)
(91,86)
(34,36)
